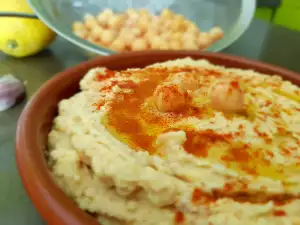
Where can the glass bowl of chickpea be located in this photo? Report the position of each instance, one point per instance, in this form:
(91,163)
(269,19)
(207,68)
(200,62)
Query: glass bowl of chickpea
(107,27)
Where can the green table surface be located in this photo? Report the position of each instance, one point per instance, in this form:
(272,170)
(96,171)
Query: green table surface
(264,42)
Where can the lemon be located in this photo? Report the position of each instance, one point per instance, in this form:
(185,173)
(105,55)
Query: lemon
(20,37)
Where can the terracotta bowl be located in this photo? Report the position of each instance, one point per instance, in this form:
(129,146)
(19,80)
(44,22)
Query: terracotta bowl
(35,122)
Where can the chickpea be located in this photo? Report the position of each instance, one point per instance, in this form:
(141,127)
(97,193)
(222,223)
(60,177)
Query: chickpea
(91,39)
(156,20)
(178,23)
(132,14)
(99,43)
(80,30)
(175,45)
(204,40)
(187,81)
(127,36)
(129,23)
(143,24)
(149,35)
(97,32)
(227,95)
(108,12)
(118,45)
(77,25)
(193,29)
(107,36)
(104,16)
(190,45)
(166,36)
(177,36)
(216,33)
(166,14)
(116,21)
(167,24)
(184,26)
(139,44)
(81,33)
(90,21)
(154,26)
(188,37)
(157,43)
(102,19)
(169,97)
(136,31)
(131,11)
(143,13)
(176,26)
(164,46)
(189,42)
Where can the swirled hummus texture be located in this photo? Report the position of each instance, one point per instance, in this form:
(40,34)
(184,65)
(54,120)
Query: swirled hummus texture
(180,142)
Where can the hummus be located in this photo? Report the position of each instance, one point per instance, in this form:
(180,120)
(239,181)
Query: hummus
(180,142)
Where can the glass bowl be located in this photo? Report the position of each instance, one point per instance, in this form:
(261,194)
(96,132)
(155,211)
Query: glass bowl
(233,16)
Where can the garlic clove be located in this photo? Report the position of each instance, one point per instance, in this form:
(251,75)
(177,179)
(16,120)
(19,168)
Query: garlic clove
(11,89)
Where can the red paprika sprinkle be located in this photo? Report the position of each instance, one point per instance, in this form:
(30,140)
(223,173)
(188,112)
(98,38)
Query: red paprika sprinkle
(268,102)
(234,84)
(197,194)
(98,105)
(228,187)
(179,217)
(279,213)
(106,75)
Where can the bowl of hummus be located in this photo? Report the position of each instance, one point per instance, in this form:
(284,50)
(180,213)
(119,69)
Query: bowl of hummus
(147,138)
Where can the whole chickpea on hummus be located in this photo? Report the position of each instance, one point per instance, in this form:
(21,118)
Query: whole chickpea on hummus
(180,142)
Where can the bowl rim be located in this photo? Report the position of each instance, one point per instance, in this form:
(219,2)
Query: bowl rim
(243,22)
(44,193)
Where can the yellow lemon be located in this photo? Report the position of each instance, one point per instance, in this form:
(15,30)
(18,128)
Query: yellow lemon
(20,37)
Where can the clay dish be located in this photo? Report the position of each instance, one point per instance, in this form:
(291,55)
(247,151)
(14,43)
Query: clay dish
(35,122)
